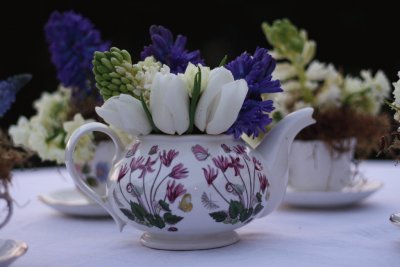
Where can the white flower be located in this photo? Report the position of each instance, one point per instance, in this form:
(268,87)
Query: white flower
(318,71)
(329,97)
(169,104)
(220,103)
(308,50)
(126,113)
(85,148)
(396,102)
(20,132)
(190,73)
(284,71)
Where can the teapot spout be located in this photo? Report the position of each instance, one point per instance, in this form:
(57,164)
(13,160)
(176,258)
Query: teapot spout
(275,149)
(276,145)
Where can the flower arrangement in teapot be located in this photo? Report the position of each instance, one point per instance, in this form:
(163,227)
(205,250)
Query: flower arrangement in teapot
(188,180)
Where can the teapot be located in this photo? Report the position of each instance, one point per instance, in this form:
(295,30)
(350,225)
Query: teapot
(192,191)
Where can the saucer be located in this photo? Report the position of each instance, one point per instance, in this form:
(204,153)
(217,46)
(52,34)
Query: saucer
(328,199)
(74,203)
(10,250)
(395,219)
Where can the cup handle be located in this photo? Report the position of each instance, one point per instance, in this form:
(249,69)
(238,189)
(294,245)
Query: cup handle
(69,162)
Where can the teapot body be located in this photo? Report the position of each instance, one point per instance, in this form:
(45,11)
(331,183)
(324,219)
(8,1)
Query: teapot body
(189,185)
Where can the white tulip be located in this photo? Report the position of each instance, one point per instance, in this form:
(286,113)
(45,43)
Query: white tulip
(126,113)
(220,103)
(169,104)
(190,74)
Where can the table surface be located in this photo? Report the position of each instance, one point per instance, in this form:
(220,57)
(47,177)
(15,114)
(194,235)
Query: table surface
(360,235)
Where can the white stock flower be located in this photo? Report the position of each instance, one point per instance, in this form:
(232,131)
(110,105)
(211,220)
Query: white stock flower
(190,73)
(85,148)
(284,71)
(126,113)
(169,104)
(20,132)
(329,97)
(220,103)
(318,71)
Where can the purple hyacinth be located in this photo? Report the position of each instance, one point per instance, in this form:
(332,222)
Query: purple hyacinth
(170,52)
(72,40)
(9,88)
(257,71)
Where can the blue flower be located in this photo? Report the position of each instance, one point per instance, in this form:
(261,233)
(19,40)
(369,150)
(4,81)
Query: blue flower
(102,170)
(9,88)
(257,71)
(72,40)
(165,50)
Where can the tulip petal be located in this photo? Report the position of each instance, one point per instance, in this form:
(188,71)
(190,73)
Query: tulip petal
(161,115)
(177,102)
(227,106)
(218,77)
(125,113)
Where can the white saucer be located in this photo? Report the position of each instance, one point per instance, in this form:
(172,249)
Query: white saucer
(74,203)
(10,250)
(329,199)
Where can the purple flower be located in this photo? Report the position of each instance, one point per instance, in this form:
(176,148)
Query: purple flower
(235,164)
(241,150)
(136,163)
(226,148)
(257,164)
(167,158)
(165,50)
(263,182)
(211,174)
(173,192)
(147,167)
(221,163)
(133,150)
(257,71)
(122,172)
(179,172)
(9,88)
(72,40)
(102,170)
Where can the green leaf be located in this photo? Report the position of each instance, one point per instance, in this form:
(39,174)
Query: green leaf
(91,181)
(235,208)
(172,219)
(86,169)
(128,214)
(219,216)
(159,222)
(257,209)
(138,211)
(223,61)
(245,214)
(148,114)
(259,196)
(164,205)
(194,100)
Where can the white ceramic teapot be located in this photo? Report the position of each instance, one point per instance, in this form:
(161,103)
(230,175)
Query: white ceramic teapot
(191,192)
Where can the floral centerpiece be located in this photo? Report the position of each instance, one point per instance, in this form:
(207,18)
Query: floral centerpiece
(9,155)
(345,106)
(171,91)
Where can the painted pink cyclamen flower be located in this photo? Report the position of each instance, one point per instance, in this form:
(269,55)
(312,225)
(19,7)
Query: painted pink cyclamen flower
(167,157)
(179,172)
(221,163)
(241,150)
(226,148)
(200,152)
(122,172)
(133,150)
(257,164)
(136,163)
(263,182)
(235,164)
(211,174)
(173,192)
(147,167)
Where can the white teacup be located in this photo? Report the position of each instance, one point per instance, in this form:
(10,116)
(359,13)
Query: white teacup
(315,166)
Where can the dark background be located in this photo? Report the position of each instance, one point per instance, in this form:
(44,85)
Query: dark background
(354,35)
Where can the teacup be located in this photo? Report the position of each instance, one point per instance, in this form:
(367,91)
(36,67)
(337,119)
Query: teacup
(316,166)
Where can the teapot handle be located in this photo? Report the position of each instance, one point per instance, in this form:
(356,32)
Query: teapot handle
(69,162)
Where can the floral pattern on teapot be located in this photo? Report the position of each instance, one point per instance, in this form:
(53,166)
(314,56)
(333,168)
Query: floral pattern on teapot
(241,198)
(146,206)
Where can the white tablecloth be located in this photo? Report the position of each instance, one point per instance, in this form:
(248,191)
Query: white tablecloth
(357,236)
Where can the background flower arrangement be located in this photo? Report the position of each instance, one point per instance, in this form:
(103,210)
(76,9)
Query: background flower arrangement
(170,91)
(10,156)
(345,106)
(72,39)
